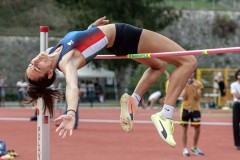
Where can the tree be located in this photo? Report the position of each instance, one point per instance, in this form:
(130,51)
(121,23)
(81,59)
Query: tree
(143,13)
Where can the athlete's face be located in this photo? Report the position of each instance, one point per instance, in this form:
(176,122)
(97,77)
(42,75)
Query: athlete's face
(39,66)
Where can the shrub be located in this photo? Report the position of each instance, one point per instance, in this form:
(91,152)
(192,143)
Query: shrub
(224,26)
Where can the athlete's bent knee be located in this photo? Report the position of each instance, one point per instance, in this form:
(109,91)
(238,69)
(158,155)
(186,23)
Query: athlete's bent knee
(161,67)
(192,63)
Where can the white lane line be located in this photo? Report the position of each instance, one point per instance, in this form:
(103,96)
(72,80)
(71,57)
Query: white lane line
(117,121)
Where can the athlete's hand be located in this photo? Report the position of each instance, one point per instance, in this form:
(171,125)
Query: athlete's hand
(67,123)
(101,21)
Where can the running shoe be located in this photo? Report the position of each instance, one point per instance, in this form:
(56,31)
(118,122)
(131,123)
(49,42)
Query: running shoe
(238,147)
(128,111)
(185,152)
(164,127)
(197,151)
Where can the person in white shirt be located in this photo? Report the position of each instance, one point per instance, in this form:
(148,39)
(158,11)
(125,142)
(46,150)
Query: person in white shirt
(21,87)
(235,91)
(153,98)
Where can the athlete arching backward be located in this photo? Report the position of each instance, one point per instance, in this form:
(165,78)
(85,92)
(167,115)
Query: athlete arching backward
(76,49)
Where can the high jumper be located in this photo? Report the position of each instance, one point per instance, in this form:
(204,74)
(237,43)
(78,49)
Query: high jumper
(78,48)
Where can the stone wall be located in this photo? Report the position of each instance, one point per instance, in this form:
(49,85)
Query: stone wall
(15,55)
(194,31)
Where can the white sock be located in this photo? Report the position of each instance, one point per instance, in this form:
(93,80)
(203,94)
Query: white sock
(167,111)
(136,98)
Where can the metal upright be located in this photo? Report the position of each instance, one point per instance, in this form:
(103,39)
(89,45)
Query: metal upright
(43,119)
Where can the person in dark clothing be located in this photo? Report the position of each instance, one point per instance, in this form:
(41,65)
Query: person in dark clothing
(222,88)
(235,91)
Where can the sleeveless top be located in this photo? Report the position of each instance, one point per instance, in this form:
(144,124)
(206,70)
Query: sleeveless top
(88,42)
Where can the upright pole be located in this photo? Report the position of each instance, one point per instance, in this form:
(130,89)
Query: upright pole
(43,120)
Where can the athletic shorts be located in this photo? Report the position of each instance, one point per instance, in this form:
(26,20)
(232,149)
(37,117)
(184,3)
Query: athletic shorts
(126,40)
(190,115)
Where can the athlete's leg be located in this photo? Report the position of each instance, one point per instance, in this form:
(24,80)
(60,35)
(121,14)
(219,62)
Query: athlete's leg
(151,75)
(196,118)
(195,149)
(184,135)
(196,136)
(154,42)
(129,103)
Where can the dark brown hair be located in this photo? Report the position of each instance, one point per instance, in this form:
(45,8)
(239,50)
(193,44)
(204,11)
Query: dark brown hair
(236,74)
(41,89)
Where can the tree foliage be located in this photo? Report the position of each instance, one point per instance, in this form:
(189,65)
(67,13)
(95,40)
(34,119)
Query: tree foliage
(224,26)
(150,14)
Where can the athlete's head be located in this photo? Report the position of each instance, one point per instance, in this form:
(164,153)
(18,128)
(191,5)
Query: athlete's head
(41,75)
(237,75)
(39,67)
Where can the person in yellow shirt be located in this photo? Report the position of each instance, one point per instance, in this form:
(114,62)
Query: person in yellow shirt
(190,111)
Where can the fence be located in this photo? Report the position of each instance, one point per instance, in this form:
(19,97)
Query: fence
(208,77)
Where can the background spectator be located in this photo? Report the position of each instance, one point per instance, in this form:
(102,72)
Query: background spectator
(2,93)
(83,90)
(222,89)
(190,111)
(235,91)
(90,92)
(21,87)
(99,91)
(155,96)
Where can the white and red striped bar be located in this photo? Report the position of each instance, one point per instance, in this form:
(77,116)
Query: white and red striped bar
(169,54)
(43,120)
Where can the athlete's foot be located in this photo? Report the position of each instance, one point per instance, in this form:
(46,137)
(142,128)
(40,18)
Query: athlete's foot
(128,111)
(197,151)
(185,152)
(164,127)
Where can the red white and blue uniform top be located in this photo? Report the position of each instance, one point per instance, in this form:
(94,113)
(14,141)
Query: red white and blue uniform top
(89,42)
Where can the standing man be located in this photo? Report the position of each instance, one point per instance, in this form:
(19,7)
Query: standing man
(235,91)
(190,111)
(2,94)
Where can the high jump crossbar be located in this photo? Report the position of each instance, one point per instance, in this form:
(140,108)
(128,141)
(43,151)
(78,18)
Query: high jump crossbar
(43,120)
(170,54)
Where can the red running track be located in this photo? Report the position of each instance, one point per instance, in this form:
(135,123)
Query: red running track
(100,137)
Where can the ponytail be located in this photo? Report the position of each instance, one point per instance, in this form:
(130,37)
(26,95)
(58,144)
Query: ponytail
(41,89)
